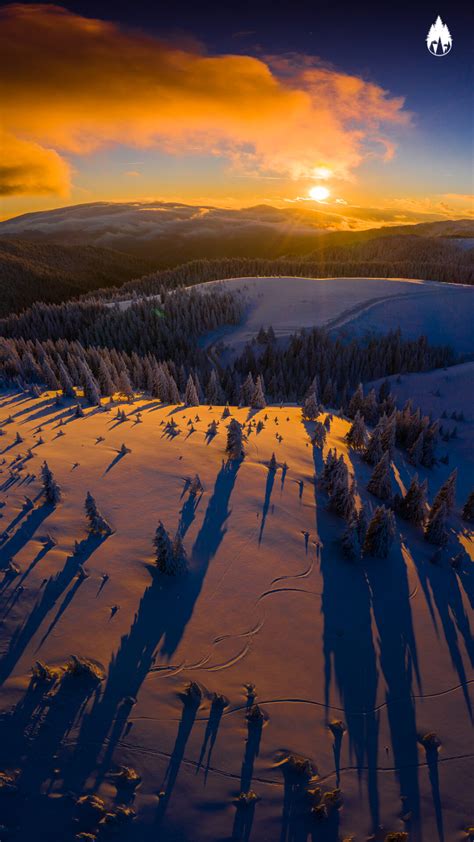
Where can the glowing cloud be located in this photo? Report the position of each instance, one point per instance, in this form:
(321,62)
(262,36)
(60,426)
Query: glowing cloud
(71,84)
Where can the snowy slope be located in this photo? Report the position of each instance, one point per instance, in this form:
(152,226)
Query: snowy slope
(384,646)
(442,312)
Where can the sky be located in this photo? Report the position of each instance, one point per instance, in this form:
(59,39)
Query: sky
(337,106)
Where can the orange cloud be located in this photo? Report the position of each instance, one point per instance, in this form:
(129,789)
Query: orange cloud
(28,168)
(76,85)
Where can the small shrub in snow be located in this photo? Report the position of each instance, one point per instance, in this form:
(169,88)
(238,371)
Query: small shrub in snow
(193,694)
(246,799)
(127,776)
(80,667)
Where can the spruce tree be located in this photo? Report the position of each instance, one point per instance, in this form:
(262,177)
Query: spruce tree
(235,446)
(97,522)
(163,550)
(374,451)
(379,484)
(357,433)
(310,407)
(412,507)
(446,493)
(356,402)
(435,531)
(191,396)
(319,436)
(258,398)
(380,533)
(52,491)
(350,544)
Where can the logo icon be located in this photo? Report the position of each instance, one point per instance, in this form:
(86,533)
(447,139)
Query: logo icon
(438,40)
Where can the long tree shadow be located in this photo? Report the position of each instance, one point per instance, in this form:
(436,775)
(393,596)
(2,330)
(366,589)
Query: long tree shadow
(390,597)
(244,813)
(188,513)
(54,589)
(446,597)
(17,541)
(32,738)
(188,716)
(266,503)
(210,736)
(163,613)
(349,651)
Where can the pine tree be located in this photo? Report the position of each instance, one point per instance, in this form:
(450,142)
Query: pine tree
(350,544)
(387,438)
(191,396)
(52,491)
(374,451)
(310,407)
(124,385)
(97,522)
(412,506)
(436,532)
(272,465)
(357,433)
(180,560)
(446,493)
(248,389)
(379,484)
(65,381)
(341,499)
(163,549)
(258,398)
(468,509)
(79,412)
(380,533)
(235,447)
(319,436)
(356,402)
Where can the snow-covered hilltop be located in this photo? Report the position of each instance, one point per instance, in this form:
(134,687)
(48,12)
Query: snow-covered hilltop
(275,690)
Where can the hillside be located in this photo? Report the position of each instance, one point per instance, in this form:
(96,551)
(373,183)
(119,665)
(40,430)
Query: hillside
(444,313)
(351,664)
(36,271)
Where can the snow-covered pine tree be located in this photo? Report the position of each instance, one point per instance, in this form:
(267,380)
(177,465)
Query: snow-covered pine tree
(124,385)
(248,389)
(97,522)
(310,407)
(435,531)
(65,381)
(163,550)
(350,544)
(413,505)
(356,402)
(374,451)
(191,397)
(51,489)
(357,434)
(380,533)
(446,493)
(235,445)
(468,509)
(379,484)
(319,436)
(258,398)
(341,499)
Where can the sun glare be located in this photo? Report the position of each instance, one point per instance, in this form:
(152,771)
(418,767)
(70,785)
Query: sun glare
(318,193)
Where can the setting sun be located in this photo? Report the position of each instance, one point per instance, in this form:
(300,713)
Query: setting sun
(318,193)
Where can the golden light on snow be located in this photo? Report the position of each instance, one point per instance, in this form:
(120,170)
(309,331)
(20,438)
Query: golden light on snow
(319,193)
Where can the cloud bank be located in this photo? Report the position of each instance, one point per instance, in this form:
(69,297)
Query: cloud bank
(73,85)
